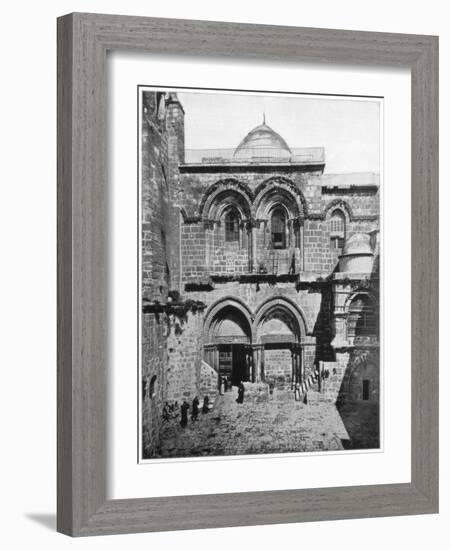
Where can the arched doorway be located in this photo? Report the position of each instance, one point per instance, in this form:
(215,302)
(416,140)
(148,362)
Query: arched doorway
(279,330)
(228,333)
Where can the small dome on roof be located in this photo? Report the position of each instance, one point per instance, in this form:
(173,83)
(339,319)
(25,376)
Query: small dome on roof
(357,256)
(262,141)
(358,244)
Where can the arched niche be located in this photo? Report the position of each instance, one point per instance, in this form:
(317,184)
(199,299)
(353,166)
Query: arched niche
(277,195)
(228,320)
(362,316)
(279,317)
(225,193)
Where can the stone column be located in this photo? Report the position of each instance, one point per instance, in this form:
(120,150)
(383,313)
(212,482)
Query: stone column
(302,362)
(248,363)
(254,247)
(320,381)
(262,365)
(258,359)
(251,226)
(300,246)
(294,368)
(248,230)
(257,363)
(298,364)
(209,242)
(215,365)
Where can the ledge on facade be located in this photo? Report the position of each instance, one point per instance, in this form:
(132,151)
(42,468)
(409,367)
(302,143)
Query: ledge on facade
(342,345)
(199,284)
(349,189)
(314,277)
(351,182)
(256,277)
(180,308)
(348,275)
(348,348)
(301,279)
(356,280)
(262,167)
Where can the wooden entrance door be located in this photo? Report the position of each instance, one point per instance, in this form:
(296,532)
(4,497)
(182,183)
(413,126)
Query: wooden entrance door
(239,369)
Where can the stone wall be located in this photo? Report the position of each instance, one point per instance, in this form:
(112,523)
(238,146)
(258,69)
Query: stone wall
(278,367)
(160,259)
(208,382)
(185,350)
(346,375)
(357,365)
(153,383)
(155,269)
(227,257)
(308,249)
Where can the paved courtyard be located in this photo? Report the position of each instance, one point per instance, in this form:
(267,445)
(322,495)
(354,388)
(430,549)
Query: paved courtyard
(275,424)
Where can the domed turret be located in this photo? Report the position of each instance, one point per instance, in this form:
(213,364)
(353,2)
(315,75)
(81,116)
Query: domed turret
(262,142)
(357,256)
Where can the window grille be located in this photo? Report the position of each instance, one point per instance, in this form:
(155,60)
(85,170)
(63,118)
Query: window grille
(337,230)
(362,319)
(231,227)
(278,226)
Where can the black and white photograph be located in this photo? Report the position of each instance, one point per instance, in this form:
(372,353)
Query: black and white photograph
(220,292)
(259,273)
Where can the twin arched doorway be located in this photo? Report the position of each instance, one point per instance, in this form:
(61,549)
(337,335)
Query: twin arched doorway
(265,346)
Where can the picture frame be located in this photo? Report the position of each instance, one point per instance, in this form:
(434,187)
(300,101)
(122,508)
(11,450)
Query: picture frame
(83,42)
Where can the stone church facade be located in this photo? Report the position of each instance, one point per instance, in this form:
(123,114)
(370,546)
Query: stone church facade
(256,265)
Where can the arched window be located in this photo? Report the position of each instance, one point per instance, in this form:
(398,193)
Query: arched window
(278,228)
(362,317)
(337,230)
(231,226)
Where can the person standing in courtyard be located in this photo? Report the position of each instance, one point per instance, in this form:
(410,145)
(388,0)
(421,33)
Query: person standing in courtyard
(205,407)
(241,391)
(195,404)
(184,414)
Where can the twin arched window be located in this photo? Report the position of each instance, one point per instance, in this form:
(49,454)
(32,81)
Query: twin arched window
(337,230)
(278,228)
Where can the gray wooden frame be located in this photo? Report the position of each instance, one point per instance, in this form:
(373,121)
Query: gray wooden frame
(83,40)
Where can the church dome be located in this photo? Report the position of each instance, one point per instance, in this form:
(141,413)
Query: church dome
(359,243)
(357,256)
(262,143)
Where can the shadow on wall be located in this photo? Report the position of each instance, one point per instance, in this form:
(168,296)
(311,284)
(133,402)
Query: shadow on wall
(358,400)
(323,330)
(361,420)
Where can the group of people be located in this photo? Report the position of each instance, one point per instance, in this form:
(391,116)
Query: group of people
(173,410)
(170,410)
(195,410)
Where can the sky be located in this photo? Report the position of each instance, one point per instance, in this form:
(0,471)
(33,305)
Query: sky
(348,128)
